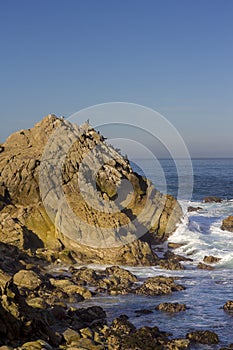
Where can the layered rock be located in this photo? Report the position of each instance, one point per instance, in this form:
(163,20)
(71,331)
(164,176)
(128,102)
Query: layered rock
(71,207)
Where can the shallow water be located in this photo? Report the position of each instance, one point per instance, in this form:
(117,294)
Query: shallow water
(200,233)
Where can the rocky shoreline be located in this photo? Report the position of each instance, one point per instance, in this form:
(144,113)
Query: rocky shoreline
(39,309)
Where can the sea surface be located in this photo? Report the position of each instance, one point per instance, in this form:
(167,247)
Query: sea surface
(200,233)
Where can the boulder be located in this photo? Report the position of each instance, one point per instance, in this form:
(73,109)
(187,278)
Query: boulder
(228,306)
(227,224)
(212,199)
(27,279)
(158,285)
(210,259)
(202,266)
(171,307)
(203,337)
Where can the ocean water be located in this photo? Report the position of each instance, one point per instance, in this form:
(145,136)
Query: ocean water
(200,233)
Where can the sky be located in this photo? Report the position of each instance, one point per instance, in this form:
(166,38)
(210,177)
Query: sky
(174,56)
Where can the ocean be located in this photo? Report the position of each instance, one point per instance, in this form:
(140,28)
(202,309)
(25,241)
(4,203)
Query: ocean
(200,233)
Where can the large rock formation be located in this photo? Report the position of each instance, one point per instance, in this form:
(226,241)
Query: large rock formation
(72,208)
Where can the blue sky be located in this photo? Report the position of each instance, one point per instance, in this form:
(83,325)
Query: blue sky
(174,56)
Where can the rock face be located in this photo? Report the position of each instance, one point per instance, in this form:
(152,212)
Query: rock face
(227,224)
(24,220)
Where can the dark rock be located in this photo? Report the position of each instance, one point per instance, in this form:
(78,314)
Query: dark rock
(122,274)
(143,312)
(211,259)
(170,264)
(227,224)
(192,209)
(158,285)
(212,199)
(170,255)
(171,307)
(228,306)
(203,337)
(177,344)
(202,266)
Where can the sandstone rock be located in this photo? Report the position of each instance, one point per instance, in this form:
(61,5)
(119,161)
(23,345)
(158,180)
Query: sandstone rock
(25,223)
(203,337)
(158,285)
(211,259)
(227,224)
(27,279)
(212,199)
(171,307)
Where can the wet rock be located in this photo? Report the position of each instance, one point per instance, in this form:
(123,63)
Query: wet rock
(212,199)
(143,312)
(27,279)
(192,209)
(122,325)
(122,274)
(229,347)
(84,275)
(228,306)
(210,259)
(158,285)
(171,307)
(203,337)
(170,264)
(176,344)
(204,266)
(227,224)
(173,245)
(171,261)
